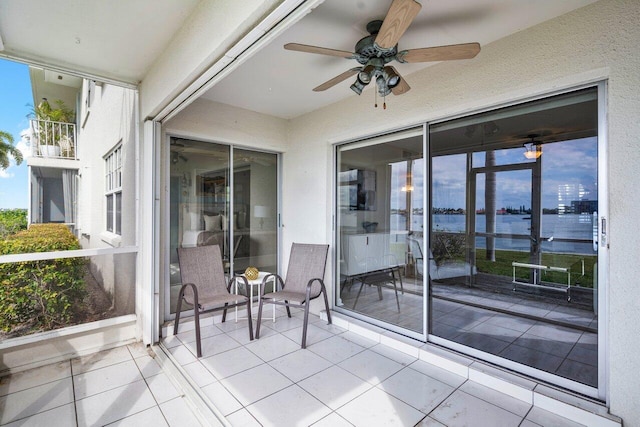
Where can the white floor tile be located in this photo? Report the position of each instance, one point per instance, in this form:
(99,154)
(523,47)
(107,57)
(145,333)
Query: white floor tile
(255,383)
(162,388)
(205,332)
(375,407)
(416,389)
(37,399)
(107,378)
(138,349)
(282,324)
(314,334)
(113,405)
(62,416)
(333,420)
(183,355)
(371,366)
(150,417)
(242,418)
(438,373)
(100,360)
(430,422)
(199,374)
(300,364)
(334,386)
(221,398)
(178,413)
(462,409)
(231,362)
(336,349)
(272,347)
(214,345)
(393,354)
(148,366)
(289,407)
(494,397)
(545,418)
(34,377)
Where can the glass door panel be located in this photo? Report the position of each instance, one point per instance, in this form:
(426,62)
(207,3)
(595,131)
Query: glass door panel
(513,255)
(255,211)
(380,218)
(215,202)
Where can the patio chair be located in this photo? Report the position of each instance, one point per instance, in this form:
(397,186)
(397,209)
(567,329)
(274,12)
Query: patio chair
(205,287)
(381,273)
(304,283)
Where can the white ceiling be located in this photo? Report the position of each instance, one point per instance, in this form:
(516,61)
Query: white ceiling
(121,39)
(278,82)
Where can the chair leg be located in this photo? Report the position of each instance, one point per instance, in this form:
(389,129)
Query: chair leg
(395,288)
(259,318)
(326,305)
(178,310)
(224,313)
(287,307)
(358,296)
(250,320)
(304,325)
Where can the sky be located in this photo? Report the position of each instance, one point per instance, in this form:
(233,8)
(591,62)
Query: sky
(15,105)
(569,171)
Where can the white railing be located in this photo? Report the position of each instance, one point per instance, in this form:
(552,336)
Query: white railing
(53,139)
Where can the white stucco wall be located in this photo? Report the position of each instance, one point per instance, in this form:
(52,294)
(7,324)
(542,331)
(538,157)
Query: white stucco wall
(595,42)
(213,28)
(110,121)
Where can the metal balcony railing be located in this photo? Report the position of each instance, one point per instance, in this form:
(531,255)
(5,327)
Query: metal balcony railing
(53,139)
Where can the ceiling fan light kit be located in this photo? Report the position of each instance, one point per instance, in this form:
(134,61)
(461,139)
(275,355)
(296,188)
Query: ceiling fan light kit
(380,47)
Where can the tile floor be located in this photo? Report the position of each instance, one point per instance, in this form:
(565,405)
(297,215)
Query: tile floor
(560,340)
(120,387)
(341,379)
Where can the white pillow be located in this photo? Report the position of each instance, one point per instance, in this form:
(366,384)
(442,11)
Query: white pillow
(213,222)
(194,218)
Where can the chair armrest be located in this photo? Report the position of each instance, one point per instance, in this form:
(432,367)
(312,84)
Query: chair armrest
(310,284)
(268,277)
(195,294)
(234,278)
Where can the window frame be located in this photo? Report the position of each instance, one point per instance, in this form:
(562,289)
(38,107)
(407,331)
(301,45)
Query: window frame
(113,189)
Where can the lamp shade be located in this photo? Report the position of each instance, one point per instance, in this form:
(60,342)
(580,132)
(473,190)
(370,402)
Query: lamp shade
(261,211)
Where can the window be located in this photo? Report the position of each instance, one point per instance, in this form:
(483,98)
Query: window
(113,189)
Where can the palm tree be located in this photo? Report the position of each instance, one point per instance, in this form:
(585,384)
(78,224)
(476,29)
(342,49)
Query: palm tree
(7,149)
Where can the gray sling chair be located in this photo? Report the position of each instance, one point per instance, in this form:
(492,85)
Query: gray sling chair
(304,283)
(205,287)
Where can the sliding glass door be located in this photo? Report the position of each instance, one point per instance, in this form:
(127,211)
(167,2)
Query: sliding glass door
(221,195)
(380,218)
(513,237)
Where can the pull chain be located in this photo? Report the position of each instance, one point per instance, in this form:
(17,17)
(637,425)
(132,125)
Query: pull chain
(375,98)
(384,103)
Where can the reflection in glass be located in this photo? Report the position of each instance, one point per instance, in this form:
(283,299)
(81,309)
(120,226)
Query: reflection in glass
(216,202)
(380,211)
(512,255)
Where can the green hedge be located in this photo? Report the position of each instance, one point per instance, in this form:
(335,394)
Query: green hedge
(40,295)
(12,221)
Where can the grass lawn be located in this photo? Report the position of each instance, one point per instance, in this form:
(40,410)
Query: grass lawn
(502,266)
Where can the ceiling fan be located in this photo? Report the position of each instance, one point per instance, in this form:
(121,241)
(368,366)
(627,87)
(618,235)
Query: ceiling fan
(379,48)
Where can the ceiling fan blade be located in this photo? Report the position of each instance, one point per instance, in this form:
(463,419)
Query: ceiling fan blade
(315,49)
(337,79)
(440,53)
(402,87)
(400,15)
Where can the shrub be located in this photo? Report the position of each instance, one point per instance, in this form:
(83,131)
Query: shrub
(40,295)
(12,221)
